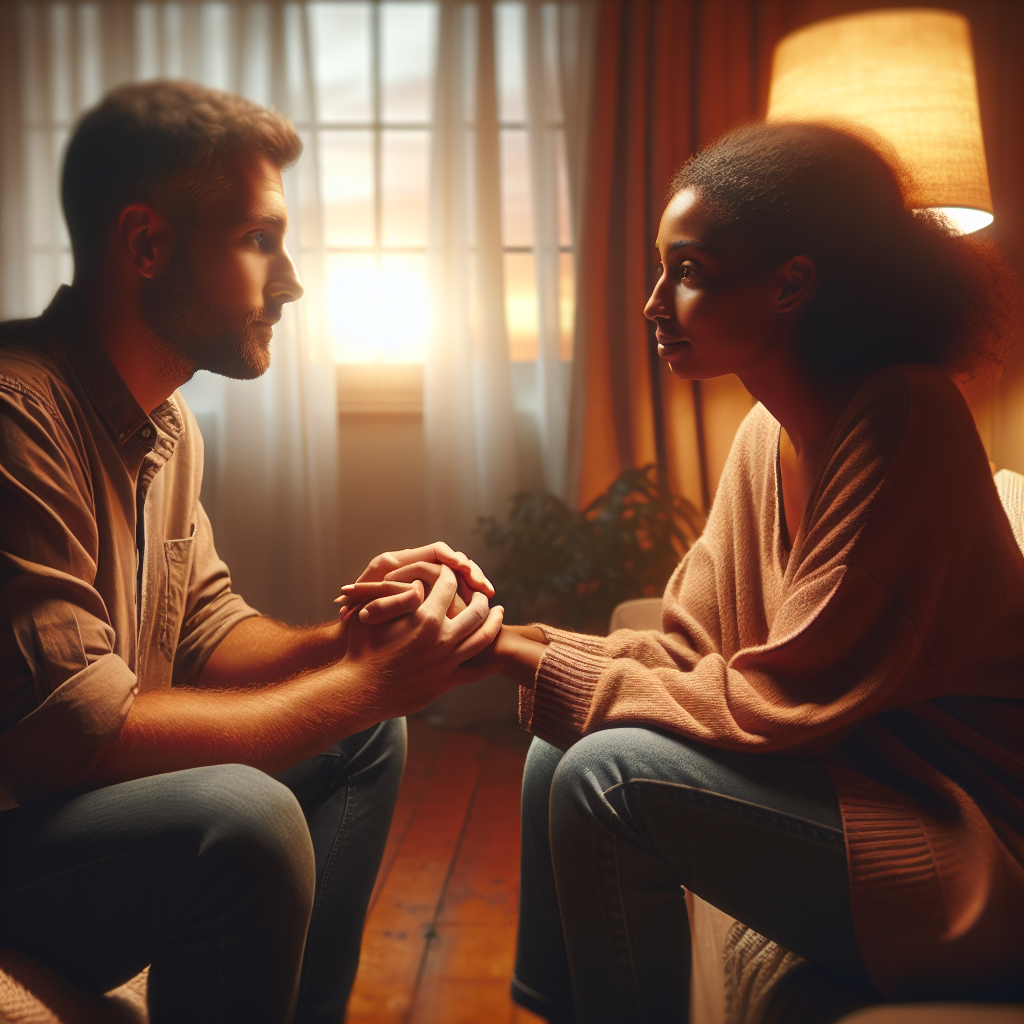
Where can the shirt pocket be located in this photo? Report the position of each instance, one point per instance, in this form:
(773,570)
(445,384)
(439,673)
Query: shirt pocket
(177,570)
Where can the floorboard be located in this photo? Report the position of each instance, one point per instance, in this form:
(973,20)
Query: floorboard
(440,935)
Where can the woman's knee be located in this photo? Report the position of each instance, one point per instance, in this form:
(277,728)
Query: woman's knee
(594,777)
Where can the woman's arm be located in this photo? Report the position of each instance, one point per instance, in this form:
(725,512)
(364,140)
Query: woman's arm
(515,653)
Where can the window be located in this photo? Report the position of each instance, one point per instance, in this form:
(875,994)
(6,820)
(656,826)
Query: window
(373,74)
(519,243)
(373,69)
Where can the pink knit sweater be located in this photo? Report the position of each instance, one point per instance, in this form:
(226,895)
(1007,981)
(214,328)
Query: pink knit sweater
(887,643)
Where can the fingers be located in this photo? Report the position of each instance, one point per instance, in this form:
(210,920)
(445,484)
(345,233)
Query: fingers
(390,560)
(359,592)
(441,594)
(439,553)
(385,609)
(470,619)
(456,606)
(427,572)
(355,595)
(482,637)
(465,565)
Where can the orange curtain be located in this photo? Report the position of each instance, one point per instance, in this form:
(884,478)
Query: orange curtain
(671,76)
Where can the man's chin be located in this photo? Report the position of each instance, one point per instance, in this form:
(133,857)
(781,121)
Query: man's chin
(248,361)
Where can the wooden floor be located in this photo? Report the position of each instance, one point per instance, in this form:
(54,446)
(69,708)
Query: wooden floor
(440,935)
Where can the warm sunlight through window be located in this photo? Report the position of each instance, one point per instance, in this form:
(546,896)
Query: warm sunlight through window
(373,65)
(521,305)
(380,310)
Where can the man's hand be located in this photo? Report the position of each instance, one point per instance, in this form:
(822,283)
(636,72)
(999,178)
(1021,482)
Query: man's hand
(409,661)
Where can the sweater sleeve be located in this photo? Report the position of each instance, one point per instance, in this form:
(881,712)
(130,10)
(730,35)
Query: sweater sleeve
(847,636)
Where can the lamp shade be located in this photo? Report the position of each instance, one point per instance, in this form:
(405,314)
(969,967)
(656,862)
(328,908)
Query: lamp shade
(907,74)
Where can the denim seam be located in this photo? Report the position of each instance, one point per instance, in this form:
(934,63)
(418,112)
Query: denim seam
(350,800)
(608,867)
(756,813)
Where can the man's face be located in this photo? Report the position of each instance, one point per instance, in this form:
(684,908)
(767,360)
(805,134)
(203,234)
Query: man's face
(228,279)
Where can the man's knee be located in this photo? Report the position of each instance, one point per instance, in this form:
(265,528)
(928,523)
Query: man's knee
(252,825)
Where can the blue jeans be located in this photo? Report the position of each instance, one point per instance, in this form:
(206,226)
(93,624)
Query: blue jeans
(246,894)
(614,826)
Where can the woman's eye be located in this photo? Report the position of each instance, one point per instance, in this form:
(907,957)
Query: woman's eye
(685,270)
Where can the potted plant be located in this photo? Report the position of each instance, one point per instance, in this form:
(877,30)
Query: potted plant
(557,565)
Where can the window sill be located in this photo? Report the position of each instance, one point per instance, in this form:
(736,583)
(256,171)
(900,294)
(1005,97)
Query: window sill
(390,389)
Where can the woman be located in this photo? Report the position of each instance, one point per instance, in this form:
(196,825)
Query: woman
(826,740)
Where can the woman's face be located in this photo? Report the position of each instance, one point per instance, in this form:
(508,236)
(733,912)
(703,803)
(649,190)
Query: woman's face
(717,312)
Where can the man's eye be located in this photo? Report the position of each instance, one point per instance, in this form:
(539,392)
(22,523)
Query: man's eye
(685,270)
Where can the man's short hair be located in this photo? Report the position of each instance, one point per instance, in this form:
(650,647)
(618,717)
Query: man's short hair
(165,144)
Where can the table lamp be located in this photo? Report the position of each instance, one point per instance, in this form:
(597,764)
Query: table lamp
(907,74)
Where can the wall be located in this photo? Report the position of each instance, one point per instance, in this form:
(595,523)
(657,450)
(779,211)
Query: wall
(382,487)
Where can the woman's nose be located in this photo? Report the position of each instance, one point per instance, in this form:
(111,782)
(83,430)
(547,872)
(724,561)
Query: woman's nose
(655,304)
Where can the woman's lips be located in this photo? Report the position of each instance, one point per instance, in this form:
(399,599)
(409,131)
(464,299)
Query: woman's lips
(669,345)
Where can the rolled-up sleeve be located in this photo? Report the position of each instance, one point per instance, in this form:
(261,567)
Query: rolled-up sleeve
(64,692)
(212,609)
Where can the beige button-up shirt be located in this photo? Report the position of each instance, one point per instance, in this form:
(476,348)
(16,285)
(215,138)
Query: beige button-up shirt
(84,627)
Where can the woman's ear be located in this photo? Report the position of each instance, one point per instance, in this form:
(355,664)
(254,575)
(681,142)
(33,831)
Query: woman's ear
(145,237)
(797,277)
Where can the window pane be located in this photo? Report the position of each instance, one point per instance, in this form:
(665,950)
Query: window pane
(510,30)
(521,307)
(340,42)
(379,314)
(516,208)
(566,302)
(408,45)
(406,156)
(346,181)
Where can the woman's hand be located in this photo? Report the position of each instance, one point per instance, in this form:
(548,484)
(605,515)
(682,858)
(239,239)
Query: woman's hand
(515,653)
(399,593)
(396,582)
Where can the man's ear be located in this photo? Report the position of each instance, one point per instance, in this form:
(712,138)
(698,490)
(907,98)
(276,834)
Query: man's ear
(145,237)
(797,277)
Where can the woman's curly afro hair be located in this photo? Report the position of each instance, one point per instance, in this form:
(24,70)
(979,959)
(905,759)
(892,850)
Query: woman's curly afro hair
(894,285)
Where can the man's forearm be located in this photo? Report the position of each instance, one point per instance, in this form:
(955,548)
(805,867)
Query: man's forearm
(261,650)
(270,728)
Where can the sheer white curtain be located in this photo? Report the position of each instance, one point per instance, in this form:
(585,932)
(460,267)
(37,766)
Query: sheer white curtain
(492,426)
(271,464)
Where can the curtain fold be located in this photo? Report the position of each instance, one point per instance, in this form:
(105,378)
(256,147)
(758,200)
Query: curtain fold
(468,415)
(675,74)
(492,427)
(271,444)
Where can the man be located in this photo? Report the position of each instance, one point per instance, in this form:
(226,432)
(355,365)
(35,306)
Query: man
(145,709)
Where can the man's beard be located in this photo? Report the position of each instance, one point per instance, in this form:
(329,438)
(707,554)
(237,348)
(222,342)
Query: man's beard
(208,338)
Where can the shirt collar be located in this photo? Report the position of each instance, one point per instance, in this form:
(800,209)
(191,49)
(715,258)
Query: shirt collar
(67,320)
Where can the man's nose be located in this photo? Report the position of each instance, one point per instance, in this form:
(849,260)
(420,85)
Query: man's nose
(286,285)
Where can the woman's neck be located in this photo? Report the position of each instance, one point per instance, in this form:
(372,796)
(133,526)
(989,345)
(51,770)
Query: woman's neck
(808,410)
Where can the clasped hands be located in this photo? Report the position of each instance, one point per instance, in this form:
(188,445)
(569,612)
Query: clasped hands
(425,611)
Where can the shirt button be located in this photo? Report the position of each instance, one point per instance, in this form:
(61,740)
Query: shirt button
(147,432)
